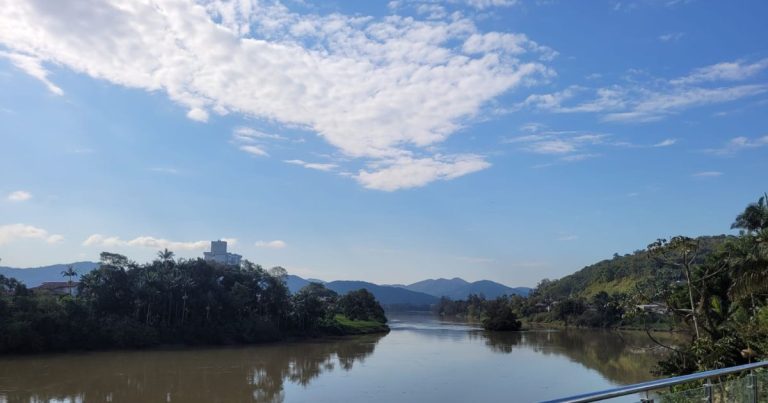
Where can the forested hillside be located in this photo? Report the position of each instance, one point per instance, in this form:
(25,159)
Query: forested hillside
(619,274)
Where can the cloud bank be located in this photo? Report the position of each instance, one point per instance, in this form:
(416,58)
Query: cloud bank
(383,90)
(13,232)
(147,242)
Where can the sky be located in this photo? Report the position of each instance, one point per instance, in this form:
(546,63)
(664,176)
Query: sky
(511,140)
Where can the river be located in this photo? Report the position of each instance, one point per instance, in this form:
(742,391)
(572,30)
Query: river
(423,359)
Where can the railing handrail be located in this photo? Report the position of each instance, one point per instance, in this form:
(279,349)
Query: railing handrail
(656,384)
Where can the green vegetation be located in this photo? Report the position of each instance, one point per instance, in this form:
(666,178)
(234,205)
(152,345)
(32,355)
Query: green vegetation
(350,326)
(498,314)
(124,304)
(714,288)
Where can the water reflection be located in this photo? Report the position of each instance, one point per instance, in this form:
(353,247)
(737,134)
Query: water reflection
(423,359)
(210,375)
(622,357)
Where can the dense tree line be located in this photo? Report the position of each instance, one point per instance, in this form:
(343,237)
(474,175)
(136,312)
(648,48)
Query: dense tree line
(168,301)
(500,314)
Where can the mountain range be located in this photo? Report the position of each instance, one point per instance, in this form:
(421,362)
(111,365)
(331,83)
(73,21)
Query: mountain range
(420,294)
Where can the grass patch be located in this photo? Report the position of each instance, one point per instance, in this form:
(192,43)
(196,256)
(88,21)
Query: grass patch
(349,326)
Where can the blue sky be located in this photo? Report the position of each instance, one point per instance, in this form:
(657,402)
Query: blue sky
(380,141)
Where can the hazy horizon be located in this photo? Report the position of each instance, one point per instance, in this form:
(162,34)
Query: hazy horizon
(509,140)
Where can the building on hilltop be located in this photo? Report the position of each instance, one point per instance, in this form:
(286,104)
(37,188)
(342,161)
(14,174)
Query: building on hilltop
(219,254)
(57,288)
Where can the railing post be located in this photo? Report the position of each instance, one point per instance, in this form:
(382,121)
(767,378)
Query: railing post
(708,391)
(753,385)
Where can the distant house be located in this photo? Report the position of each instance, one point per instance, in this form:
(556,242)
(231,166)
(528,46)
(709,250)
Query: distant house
(660,309)
(219,254)
(542,307)
(57,287)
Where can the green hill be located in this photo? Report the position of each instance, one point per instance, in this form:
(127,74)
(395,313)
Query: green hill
(619,274)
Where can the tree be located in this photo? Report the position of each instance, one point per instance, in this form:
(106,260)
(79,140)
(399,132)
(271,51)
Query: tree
(679,252)
(362,305)
(749,253)
(499,316)
(312,304)
(69,273)
(568,308)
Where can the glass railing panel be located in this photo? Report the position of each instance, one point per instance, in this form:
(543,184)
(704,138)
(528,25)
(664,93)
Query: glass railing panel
(679,395)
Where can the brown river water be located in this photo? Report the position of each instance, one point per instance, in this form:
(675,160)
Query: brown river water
(423,359)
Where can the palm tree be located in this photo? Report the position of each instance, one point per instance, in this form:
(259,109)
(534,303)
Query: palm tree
(69,273)
(749,254)
(165,255)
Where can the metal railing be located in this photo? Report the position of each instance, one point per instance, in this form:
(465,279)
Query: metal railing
(663,383)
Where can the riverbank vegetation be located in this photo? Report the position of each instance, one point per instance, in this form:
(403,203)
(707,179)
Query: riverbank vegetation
(122,304)
(713,288)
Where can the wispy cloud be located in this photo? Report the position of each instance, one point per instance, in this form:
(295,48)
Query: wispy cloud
(276,244)
(727,71)
(671,37)
(654,98)
(567,237)
(404,173)
(34,67)
(19,196)
(13,232)
(559,143)
(313,165)
(146,242)
(254,150)
(738,144)
(248,134)
(665,143)
(708,174)
(165,170)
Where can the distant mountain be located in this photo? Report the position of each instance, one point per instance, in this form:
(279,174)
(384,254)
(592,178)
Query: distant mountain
(34,276)
(439,287)
(387,295)
(295,283)
(421,294)
(457,288)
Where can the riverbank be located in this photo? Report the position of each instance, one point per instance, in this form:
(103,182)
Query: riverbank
(346,326)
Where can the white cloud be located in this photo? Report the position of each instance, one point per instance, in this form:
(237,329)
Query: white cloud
(665,143)
(727,71)
(708,174)
(671,37)
(740,143)
(404,173)
(567,238)
(313,165)
(559,142)
(483,4)
(254,150)
(19,196)
(56,238)
(578,157)
(276,244)
(198,114)
(247,134)
(375,88)
(12,232)
(512,44)
(34,67)
(654,99)
(146,242)
(656,106)
(165,170)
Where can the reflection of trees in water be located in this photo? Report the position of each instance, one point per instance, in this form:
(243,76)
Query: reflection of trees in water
(621,357)
(211,375)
